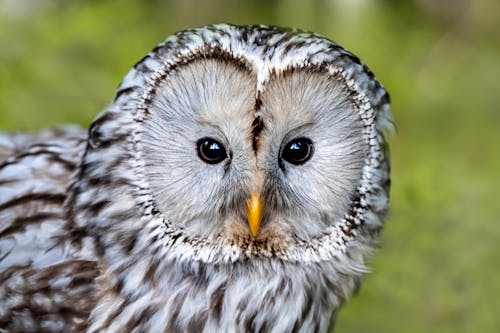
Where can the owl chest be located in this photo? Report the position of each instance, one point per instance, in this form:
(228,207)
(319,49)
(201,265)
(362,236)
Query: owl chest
(215,301)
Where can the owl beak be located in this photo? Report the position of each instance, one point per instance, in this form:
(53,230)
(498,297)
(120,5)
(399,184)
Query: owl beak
(254,213)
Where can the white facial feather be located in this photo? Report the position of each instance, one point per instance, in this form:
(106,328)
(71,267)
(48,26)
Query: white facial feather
(315,105)
(208,98)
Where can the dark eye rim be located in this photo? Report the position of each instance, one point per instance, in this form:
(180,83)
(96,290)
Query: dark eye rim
(205,158)
(310,153)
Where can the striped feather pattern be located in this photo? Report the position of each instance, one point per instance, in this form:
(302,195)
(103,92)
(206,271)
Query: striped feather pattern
(44,286)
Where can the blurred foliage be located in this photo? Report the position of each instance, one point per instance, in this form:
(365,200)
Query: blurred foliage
(438,269)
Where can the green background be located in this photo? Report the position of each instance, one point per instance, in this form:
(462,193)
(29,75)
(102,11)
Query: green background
(438,269)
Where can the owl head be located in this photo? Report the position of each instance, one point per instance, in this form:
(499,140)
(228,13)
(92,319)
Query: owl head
(227,143)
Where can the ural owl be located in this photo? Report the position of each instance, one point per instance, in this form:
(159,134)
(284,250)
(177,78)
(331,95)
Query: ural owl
(236,183)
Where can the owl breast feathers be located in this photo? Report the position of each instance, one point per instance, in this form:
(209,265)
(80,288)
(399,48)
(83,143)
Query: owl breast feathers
(236,183)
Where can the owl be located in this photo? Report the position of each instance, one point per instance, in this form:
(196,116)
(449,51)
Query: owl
(236,183)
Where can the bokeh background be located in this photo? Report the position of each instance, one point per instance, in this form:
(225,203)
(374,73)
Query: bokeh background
(438,269)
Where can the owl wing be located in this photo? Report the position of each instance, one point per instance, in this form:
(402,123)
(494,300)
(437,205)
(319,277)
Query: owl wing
(42,285)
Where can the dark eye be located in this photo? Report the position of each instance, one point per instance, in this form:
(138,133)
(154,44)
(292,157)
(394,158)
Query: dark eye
(298,151)
(211,151)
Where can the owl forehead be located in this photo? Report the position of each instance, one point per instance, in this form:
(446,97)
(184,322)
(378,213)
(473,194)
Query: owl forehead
(214,83)
(266,50)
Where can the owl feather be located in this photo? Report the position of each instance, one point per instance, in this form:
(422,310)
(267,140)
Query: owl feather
(143,223)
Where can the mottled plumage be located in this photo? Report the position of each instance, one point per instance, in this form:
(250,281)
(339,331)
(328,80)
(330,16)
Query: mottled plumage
(134,228)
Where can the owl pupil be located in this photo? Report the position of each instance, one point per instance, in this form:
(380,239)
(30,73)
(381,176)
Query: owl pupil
(297,151)
(211,151)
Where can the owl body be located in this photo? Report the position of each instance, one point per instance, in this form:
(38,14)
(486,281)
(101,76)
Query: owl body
(236,183)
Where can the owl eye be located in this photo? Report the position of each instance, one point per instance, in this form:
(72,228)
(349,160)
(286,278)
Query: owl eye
(298,151)
(211,151)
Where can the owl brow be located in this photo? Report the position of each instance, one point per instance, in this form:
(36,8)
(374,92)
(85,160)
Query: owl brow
(294,131)
(212,125)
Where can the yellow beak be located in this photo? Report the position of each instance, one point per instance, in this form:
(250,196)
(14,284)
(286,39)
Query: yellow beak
(254,213)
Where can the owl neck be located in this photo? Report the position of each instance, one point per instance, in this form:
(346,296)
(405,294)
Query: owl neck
(264,295)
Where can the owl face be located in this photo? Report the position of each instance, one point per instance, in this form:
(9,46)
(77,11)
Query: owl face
(213,141)
(253,142)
